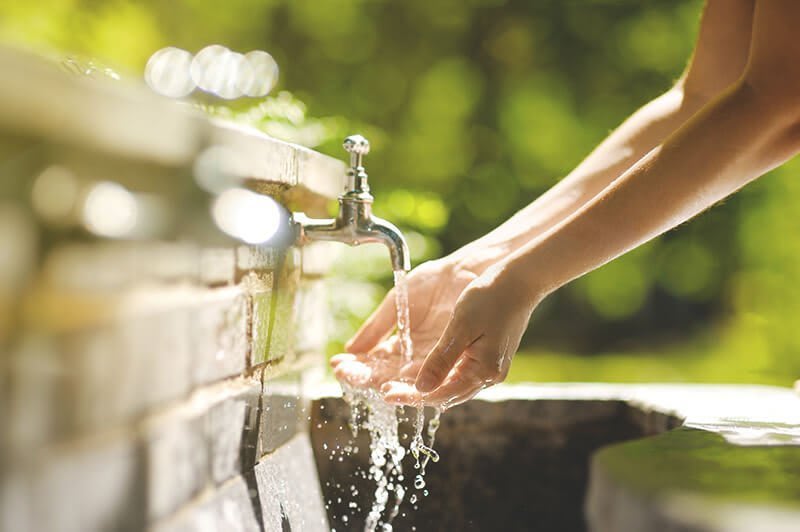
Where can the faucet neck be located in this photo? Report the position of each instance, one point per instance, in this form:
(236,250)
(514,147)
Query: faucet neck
(357,183)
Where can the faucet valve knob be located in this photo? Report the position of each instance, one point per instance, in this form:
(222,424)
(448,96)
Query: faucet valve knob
(356,144)
(358,147)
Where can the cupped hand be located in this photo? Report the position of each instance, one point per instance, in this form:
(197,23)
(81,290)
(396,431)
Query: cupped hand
(475,346)
(372,359)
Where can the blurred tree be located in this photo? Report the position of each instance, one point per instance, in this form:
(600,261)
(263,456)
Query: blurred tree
(474,108)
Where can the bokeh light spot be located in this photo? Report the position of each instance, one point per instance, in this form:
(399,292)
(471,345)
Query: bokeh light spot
(110,210)
(260,77)
(167,72)
(617,290)
(250,217)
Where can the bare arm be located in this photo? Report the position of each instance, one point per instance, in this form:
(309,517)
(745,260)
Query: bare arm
(750,128)
(719,59)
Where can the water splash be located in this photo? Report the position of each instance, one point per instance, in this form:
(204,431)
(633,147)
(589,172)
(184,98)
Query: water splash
(386,453)
(419,448)
(382,420)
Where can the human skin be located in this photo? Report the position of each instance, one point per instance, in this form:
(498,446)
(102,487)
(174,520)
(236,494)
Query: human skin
(747,129)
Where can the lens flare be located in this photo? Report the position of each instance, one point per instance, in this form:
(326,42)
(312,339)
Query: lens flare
(250,217)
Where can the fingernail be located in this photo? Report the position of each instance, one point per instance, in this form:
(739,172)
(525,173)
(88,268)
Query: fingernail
(425,383)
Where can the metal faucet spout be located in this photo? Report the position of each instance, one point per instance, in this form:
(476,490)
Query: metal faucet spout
(392,238)
(355,224)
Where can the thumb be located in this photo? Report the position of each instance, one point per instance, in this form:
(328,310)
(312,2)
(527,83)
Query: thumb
(453,341)
(377,326)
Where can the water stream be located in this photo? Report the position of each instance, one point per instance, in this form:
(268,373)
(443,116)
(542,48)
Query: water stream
(403,320)
(368,410)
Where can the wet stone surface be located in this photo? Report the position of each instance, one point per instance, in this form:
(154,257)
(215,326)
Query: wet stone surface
(231,426)
(177,462)
(288,489)
(229,509)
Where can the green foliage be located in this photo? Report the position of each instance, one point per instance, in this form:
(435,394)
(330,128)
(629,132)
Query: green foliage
(473,109)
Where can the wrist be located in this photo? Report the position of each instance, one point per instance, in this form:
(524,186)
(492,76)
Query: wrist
(514,274)
(477,256)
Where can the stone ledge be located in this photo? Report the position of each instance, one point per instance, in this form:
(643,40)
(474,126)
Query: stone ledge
(697,480)
(88,112)
(517,458)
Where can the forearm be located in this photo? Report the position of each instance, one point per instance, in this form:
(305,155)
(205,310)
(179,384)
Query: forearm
(730,142)
(639,134)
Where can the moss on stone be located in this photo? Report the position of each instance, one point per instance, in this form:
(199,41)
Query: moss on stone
(700,462)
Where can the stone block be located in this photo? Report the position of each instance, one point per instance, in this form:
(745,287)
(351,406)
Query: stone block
(311,330)
(159,348)
(16,502)
(90,486)
(217,266)
(227,509)
(289,489)
(35,389)
(281,337)
(231,424)
(105,382)
(281,411)
(166,261)
(118,265)
(219,336)
(317,257)
(176,453)
(255,258)
(259,289)
(261,312)
(112,373)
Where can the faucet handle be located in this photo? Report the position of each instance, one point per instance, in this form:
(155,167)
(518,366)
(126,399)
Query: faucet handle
(358,147)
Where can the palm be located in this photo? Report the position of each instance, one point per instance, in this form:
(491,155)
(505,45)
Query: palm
(433,289)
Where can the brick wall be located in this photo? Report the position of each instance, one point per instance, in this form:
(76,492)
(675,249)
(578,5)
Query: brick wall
(152,370)
(161,387)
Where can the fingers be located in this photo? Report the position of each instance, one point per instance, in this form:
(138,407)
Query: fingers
(377,326)
(443,356)
(342,357)
(401,393)
(371,369)
(456,390)
(353,372)
(479,367)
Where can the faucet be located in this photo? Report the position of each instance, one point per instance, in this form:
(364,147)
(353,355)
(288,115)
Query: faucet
(355,224)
